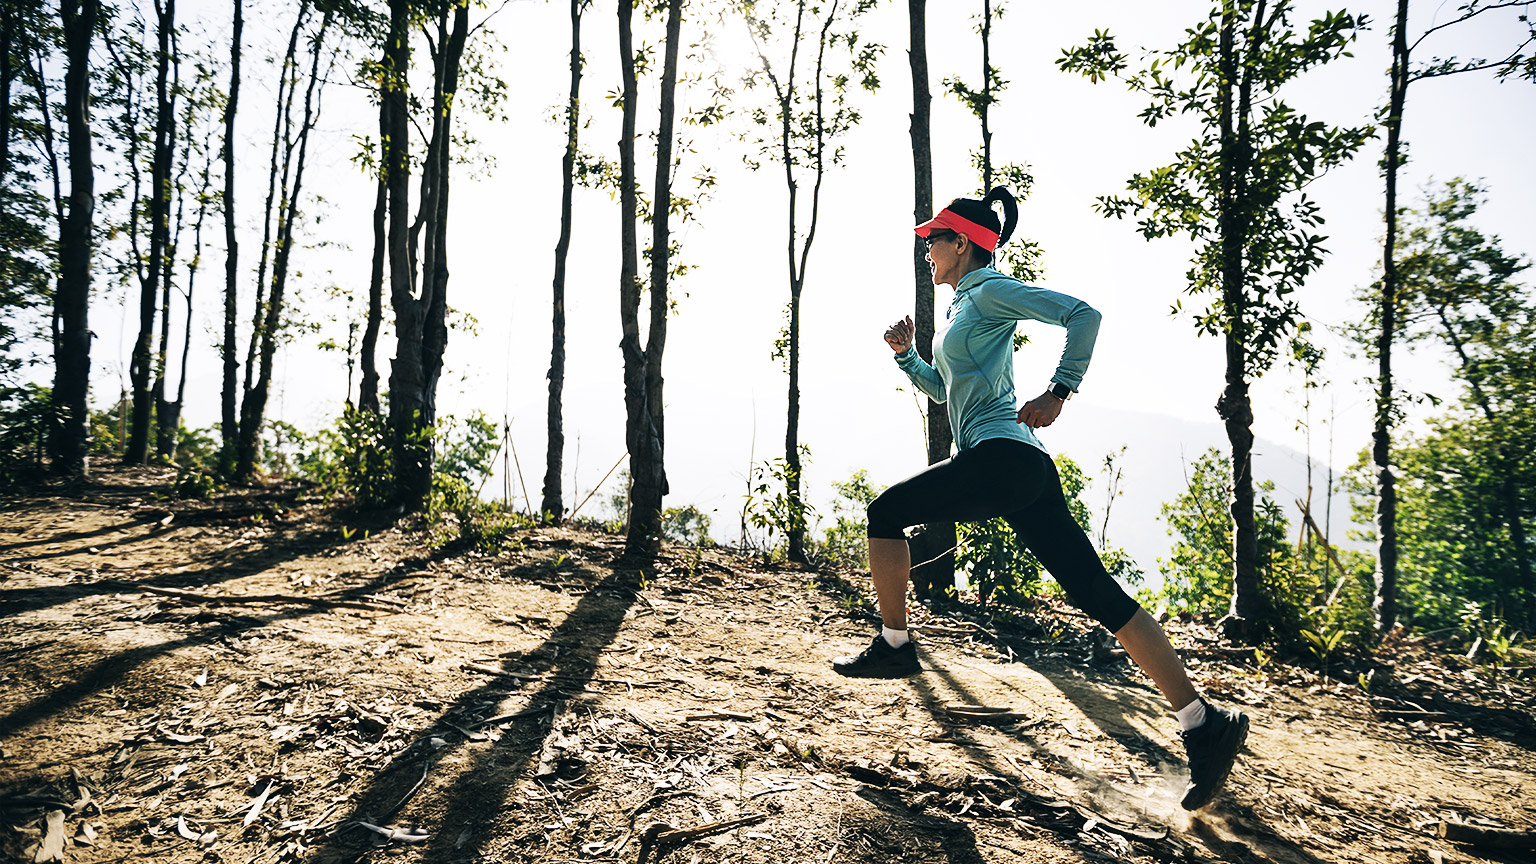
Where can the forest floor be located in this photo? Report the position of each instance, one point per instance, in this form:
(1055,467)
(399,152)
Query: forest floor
(264,679)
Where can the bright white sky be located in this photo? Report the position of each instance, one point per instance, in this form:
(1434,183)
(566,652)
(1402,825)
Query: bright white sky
(1152,384)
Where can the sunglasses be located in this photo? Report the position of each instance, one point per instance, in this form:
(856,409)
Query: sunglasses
(937,236)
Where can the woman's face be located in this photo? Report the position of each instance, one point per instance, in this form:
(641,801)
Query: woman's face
(945,256)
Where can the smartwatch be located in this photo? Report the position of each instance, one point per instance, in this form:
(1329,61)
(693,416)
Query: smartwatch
(1061,391)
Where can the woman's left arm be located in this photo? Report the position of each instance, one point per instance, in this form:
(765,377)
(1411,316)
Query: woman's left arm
(1014,301)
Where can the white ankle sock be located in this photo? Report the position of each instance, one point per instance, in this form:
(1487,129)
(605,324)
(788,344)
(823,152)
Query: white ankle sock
(1191,715)
(894,638)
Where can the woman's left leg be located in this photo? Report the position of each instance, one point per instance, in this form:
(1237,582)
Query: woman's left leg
(1047,529)
(1212,733)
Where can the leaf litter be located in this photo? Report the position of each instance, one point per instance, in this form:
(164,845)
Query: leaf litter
(554,702)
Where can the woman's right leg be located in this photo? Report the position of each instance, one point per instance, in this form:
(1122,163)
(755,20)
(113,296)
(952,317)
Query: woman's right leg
(890,565)
(990,479)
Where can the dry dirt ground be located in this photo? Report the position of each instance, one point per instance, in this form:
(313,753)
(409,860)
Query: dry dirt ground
(260,679)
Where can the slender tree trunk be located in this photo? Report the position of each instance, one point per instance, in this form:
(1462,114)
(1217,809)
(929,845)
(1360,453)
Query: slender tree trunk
(648,473)
(141,366)
(435,330)
(72,357)
(253,407)
(229,429)
(1235,406)
(368,390)
(794,469)
(282,139)
(553,505)
(986,95)
(405,370)
(928,579)
(7,78)
(643,536)
(1384,605)
(792,463)
(168,416)
(172,410)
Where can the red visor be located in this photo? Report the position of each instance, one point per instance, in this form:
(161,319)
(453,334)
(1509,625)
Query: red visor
(984,237)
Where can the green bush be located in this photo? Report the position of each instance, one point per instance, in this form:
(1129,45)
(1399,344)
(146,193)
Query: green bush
(846,543)
(687,524)
(352,459)
(769,506)
(24,413)
(454,510)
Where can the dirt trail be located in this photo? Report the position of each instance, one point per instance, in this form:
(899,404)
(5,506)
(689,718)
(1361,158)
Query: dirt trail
(553,703)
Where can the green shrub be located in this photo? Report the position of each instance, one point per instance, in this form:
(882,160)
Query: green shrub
(769,506)
(24,414)
(687,524)
(352,459)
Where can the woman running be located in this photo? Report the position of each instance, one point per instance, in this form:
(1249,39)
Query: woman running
(1002,469)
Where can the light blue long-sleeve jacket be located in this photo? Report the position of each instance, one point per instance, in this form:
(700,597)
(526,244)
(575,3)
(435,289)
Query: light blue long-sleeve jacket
(973,353)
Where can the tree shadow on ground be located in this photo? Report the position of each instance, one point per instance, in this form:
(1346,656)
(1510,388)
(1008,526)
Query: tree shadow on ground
(469,803)
(1241,830)
(108,672)
(219,567)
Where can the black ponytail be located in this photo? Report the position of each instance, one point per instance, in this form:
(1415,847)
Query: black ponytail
(1010,211)
(982,214)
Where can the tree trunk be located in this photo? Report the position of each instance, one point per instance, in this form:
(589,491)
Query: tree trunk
(282,139)
(420,323)
(1384,605)
(435,325)
(7,77)
(648,472)
(792,465)
(1235,407)
(797,529)
(72,347)
(253,407)
(167,415)
(986,96)
(643,536)
(368,390)
(405,370)
(229,429)
(553,505)
(142,364)
(932,542)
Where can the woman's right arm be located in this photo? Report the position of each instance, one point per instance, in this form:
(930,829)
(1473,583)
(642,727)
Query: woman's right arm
(899,337)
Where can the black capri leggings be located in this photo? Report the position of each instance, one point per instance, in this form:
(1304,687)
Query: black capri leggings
(1008,478)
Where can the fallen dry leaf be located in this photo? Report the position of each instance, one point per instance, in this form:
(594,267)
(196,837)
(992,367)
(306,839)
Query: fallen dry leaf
(261,801)
(53,839)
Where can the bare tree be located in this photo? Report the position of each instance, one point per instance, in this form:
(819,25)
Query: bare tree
(811,112)
(267,332)
(553,505)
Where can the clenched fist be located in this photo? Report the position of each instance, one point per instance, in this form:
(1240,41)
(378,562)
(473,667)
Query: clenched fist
(899,335)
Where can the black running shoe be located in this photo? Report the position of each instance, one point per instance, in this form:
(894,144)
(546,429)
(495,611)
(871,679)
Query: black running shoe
(880,660)
(1212,748)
